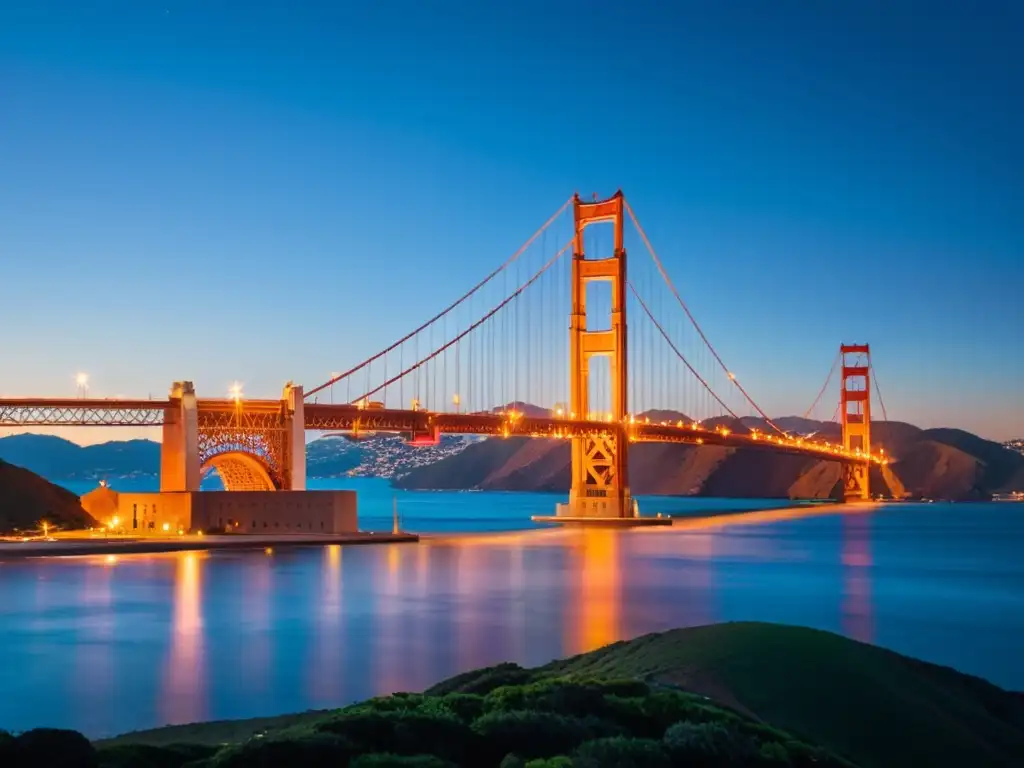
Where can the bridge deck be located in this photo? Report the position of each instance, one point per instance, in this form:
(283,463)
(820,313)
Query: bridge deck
(55,412)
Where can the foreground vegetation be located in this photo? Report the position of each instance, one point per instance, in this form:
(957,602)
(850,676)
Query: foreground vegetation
(696,697)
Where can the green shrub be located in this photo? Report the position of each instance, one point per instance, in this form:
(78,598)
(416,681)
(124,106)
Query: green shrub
(54,748)
(551,762)
(465,706)
(405,732)
(622,753)
(773,753)
(708,744)
(533,734)
(385,760)
(512,761)
(316,751)
(134,755)
(483,680)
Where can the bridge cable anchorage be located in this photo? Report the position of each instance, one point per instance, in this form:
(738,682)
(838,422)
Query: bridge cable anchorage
(675,349)
(440,350)
(519,252)
(693,320)
(828,379)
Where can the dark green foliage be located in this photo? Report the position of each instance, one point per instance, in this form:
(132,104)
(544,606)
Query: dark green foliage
(622,753)
(466,706)
(709,744)
(314,751)
(432,729)
(532,734)
(54,748)
(483,680)
(551,762)
(133,755)
(383,760)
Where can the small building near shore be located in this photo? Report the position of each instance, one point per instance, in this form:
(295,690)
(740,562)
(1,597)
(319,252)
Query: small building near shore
(264,512)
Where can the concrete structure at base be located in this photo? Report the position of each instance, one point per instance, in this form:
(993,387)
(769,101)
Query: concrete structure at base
(253,445)
(254,512)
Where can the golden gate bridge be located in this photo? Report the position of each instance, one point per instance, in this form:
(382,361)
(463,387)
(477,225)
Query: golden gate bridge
(540,347)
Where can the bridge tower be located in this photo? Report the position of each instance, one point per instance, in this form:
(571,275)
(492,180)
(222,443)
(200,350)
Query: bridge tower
(179,449)
(600,478)
(855,414)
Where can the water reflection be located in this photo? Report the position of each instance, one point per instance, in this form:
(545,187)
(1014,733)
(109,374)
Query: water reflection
(183,698)
(324,672)
(176,638)
(594,607)
(858,618)
(94,668)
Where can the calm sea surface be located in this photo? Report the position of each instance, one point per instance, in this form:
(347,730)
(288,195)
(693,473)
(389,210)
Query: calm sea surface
(107,645)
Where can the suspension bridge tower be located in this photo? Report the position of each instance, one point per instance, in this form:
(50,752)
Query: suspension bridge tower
(600,477)
(855,414)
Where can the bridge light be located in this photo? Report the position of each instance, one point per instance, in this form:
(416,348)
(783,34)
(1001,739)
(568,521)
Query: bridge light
(235,391)
(166,527)
(732,376)
(559,412)
(82,379)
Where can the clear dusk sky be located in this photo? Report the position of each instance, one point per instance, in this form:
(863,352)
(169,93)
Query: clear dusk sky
(270,190)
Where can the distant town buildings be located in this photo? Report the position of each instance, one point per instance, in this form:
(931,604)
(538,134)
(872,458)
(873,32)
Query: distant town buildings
(379,455)
(1015,445)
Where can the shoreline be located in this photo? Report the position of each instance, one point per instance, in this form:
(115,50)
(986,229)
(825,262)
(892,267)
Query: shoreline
(76,547)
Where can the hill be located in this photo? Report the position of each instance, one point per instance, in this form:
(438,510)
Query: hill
(58,459)
(935,463)
(27,499)
(735,688)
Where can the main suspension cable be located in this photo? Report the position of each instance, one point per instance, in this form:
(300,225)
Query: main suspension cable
(679,354)
(450,307)
(693,320)
(824,387)
(472,327)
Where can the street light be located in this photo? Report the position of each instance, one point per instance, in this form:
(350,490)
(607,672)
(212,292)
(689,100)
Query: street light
(235,392)
(82,382)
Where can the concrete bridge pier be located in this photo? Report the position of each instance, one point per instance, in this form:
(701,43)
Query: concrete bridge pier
(295,436)
(179,451)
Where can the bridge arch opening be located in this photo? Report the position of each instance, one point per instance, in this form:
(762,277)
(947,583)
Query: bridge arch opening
(239,471)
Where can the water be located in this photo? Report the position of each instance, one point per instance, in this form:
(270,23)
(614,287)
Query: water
(107,647)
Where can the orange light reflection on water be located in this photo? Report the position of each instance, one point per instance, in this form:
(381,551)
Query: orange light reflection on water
(183,699)
(594,612)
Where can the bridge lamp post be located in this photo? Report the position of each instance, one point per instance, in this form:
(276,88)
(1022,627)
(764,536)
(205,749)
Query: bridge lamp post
(456,400)
(82,383)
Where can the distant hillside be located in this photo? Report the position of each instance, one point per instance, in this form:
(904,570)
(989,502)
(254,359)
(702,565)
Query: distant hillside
(58,459)
(936,463)
(27,499)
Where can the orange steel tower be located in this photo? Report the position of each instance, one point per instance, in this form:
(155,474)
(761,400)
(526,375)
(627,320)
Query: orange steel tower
(600,479)
(855,410)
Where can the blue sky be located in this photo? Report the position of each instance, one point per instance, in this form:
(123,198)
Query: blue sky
(260,192)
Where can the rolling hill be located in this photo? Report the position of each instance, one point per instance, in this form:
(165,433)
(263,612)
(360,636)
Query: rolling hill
(933,463)
(27,499)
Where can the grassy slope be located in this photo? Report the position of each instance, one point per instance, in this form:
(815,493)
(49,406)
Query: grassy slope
(859,700)
(876,707)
